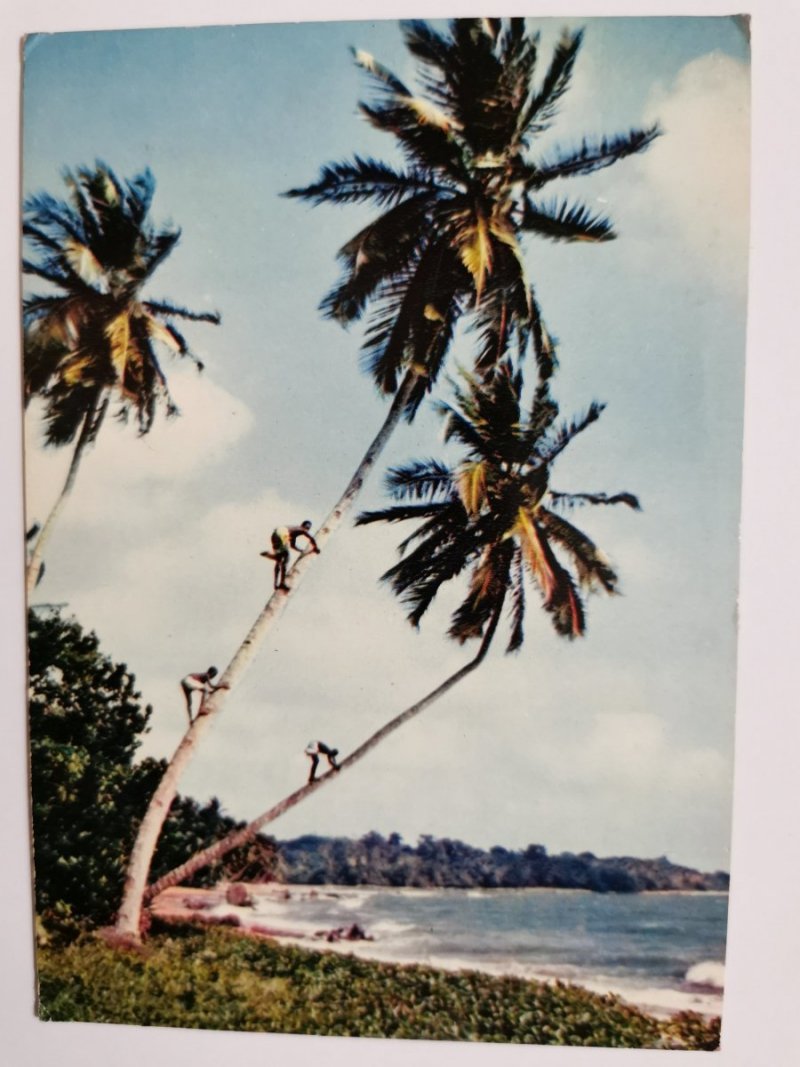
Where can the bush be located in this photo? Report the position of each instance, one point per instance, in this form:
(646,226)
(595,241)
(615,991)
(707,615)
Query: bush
(220,980)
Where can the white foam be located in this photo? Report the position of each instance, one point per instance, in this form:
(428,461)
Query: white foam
(708,973)
(387,928)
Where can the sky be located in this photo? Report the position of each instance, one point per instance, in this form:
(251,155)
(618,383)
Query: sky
(621,743)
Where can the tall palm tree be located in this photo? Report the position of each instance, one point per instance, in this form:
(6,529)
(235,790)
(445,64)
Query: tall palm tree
(492,515)
(449,238)
(93,337)
(448,242)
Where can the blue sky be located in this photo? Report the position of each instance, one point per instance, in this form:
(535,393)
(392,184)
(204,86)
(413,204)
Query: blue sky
(621,743)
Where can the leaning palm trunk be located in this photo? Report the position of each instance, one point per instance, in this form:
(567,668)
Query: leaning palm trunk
(89,430)
(214,853)
(127,925)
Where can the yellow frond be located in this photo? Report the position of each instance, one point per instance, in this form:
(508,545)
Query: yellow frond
(471,485)
(82,261)
(525,529)
(118,332)
(365,60)
(432,313)
(475,249)
(72,372)
(110,190)
(159,332)
(428,114)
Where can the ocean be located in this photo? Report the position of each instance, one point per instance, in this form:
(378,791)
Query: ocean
(662,951)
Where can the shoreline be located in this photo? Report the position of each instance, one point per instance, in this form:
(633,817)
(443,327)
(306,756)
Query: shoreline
(209,907)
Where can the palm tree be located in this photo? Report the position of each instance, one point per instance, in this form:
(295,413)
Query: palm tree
(448,240)
(493,515)
(93,337)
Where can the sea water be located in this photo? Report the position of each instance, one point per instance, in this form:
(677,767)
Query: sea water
(663,951)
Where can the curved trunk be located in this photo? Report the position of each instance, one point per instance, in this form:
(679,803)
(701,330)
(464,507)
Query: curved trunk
(127,926)
(91,425)
(236,838)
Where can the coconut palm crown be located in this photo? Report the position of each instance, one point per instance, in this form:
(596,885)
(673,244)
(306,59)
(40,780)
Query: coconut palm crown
(93,334)
(495,515)
(448,239)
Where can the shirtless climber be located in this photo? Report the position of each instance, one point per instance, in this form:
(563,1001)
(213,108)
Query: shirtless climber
(315,749)
(201,683)
(284,538)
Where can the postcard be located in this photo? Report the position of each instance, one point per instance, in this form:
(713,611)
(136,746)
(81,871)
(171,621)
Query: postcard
(384,391)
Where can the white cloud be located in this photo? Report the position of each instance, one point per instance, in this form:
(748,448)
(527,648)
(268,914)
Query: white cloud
(211,423)
(698,171)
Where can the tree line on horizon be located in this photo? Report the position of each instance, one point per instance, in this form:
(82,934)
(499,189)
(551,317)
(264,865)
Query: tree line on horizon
(444,254)
(444,863)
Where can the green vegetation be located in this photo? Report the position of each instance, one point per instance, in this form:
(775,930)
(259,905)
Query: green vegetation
(86,725)
(219,980)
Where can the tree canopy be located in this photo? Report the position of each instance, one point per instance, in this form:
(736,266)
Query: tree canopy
(87,791)
(93,332)
(449,239)
(494,514)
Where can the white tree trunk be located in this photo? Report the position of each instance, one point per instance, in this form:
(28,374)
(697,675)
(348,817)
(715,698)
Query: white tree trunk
(214,853)
(89,429)
(128,922)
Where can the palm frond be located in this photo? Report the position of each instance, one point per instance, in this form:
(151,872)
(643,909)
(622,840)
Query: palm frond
(60,275)
(407,328)
(363,181)
(383,78)
(560,598)
(487,590)
(544,344)
(160,307)
(541,109)
(471,485)
(396,513)
(444,551)
(571,500)
(424,133)
(565,222)
(435,343)
(419,480)
(552,444)
(504,317)
(592,156)
(376,254)
(429,46)
(459,427)
(591,565)
(160,246)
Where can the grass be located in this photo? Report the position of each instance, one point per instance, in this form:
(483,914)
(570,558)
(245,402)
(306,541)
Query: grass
(220,980)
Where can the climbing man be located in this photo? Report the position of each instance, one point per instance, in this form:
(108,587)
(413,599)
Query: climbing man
(315,749)
(201,683)
(284,538)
